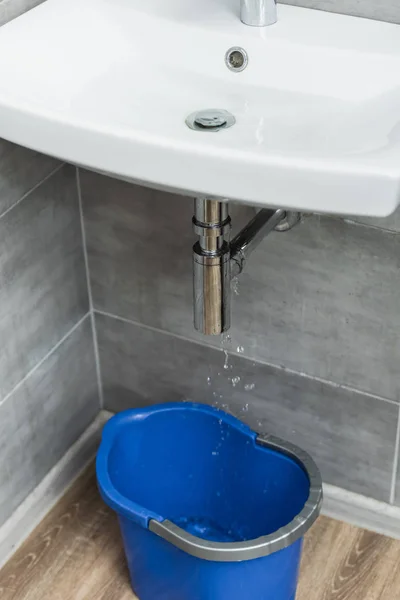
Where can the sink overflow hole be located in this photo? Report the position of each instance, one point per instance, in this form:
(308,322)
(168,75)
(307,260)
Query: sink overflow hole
(236,59)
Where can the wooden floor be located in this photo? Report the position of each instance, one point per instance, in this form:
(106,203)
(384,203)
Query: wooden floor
(76,554)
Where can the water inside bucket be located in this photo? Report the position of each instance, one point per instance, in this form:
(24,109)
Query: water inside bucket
(207,529)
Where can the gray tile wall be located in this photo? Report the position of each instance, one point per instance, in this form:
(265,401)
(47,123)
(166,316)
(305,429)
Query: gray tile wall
(10,9)
(43,289)
(320,299)
(316,323)
(45,415)
(351,435)
(48,383)
(383,10)
(16,182)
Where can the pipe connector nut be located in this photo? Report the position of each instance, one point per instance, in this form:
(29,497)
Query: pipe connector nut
(208,230)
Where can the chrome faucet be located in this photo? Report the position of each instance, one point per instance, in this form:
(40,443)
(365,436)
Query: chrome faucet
(258,13)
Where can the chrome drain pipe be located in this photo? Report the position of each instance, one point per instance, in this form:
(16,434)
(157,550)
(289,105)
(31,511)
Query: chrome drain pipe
(216,259)
(251,235)
(211,266)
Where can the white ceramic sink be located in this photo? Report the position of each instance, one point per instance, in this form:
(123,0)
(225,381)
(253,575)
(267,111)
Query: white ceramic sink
(108,84)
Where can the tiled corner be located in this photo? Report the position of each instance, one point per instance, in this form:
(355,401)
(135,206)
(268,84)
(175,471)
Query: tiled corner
(43,286)
(320,299)
(350,435)
(45,416)
(20,170)
(384,10)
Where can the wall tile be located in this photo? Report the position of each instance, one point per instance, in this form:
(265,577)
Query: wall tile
(397,490)
(320,299)
(45,416)
(391,223)
(43,288)
(20,170)
(11,9)
(138,253)
(350,435)
(384,10)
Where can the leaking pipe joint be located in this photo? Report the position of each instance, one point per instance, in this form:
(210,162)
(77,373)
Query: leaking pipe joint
(216,259)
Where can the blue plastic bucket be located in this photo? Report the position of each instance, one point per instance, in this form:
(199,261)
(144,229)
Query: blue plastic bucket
(208,508)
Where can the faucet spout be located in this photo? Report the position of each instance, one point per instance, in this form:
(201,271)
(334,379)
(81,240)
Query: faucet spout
(258,13)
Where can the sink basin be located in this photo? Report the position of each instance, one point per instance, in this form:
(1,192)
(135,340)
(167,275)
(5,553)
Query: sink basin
(108,84)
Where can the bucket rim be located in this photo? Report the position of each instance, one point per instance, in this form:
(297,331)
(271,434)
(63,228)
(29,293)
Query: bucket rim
(263,545)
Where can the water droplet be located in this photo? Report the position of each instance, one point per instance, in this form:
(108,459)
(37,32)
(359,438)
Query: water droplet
(218,494)
(245,407)
(209,380)
(240,349)
(225,340)
(214,453)
(235,285)
(226,363)
(249,386)
(235,380)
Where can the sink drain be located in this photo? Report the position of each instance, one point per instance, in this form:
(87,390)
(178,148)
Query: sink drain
(211,119)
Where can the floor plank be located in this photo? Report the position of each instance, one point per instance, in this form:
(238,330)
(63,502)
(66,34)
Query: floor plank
(76,554)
